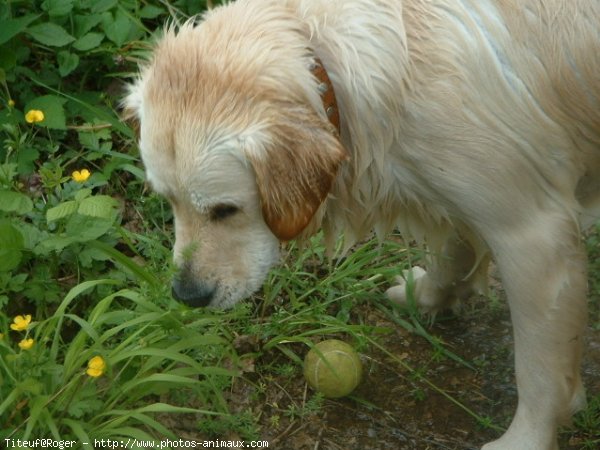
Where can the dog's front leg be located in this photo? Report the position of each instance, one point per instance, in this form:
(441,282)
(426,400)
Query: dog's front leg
(543,267)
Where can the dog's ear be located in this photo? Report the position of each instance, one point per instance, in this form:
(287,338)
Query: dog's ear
(296,170)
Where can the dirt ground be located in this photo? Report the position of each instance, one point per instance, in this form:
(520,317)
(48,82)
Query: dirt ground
(392,409)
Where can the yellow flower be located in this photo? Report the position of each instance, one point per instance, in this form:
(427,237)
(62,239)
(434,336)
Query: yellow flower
(26,344)
(20,323)
(11,103)
(81,176)
(34,115)
(96,366)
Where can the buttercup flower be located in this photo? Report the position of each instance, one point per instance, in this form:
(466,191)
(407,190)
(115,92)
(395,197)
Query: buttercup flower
(34,115)
(81,175)
(20,323)
(96,366)
(26,344)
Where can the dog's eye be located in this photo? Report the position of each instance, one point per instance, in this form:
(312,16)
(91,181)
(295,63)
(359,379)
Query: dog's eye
(221,212)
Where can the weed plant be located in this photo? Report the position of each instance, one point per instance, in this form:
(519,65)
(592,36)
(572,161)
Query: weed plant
(91,344)
(94,346)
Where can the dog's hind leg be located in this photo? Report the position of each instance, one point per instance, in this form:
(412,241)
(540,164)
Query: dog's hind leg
(543,267)
(454,273)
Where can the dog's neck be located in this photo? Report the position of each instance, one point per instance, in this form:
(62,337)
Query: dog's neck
(327,93)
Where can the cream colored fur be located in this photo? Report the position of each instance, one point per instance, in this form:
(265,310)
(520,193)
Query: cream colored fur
(472,125)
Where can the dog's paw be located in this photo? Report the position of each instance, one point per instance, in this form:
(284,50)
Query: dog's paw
(502,444)
(398,293)
(526,433)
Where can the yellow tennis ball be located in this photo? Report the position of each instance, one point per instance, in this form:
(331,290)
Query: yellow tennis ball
(333,368)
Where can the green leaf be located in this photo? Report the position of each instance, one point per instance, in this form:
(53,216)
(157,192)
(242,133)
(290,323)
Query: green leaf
(166,408)
(80,288)
(32,235)
(58,7)
(85,22)
(30,385)
(89,140)
(85,326)
(9,399)
(78,408)
(82,193)
(89,41)
(151,12)
(50,34)
(26,159)
(16,202)
(103,5)
(16,283)
(53,243)
(135,171)
(87,228)
(88,255)
(161,378)
(67,62)
(12,27)
(98,206)
(37,405)
(126,262)
(117,27)
(8,171)
(63,210)
(80,433)
(52,107)
(11,246)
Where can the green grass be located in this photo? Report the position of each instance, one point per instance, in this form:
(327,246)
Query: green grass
(90,262)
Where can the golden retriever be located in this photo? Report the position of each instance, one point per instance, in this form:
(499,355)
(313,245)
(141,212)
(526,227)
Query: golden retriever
(471,124)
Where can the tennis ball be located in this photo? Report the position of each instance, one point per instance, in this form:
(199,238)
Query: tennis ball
(332,368)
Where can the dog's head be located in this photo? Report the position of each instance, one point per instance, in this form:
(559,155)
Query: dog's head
(234,142)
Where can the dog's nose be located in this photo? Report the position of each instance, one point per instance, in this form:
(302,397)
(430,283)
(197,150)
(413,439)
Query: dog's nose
(191,293)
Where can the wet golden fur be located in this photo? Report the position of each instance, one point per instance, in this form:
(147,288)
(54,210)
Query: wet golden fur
(473,126)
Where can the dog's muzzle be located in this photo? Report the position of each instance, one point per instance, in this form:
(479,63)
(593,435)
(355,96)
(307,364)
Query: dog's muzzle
(191,292)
